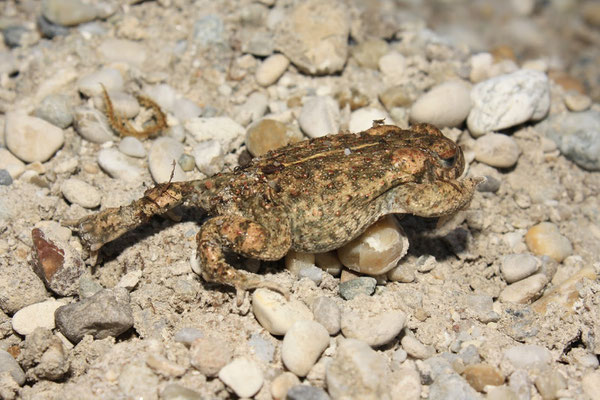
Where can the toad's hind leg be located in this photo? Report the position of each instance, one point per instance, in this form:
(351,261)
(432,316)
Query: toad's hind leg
(245,237)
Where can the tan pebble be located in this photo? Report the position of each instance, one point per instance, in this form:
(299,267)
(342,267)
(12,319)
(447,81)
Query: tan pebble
(368,53)
(397,96)
(209,354)
(525,290)
(576,101)
(90,168)
(501,393)
(163,366)
(348,275)
(567,82)
(275,314)
(329,262)
(545,239)
(549,383)
(415,348)
(405,384)
(266,135)
(591,385)
(481,375)
(283,383)
(271,69)
(567,293)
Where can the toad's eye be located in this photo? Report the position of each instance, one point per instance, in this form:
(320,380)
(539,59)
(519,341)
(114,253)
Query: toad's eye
(448,162)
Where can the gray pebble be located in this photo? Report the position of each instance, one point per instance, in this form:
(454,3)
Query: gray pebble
(208,156)
(92,125)
(319,116)
(305,392)
(132,147)
(490,185)
(88,286)
(162,154)
(10,365)
(327,313)
(452,386)
(481,306)
(187,335)
(313,273)
(118,165)
(209,30)
(375,330)
(50,30)
(5,178)
(264,349)
(55,108)
(515,267)
(107,313)
(13,35)
(497,150)
(68,12)
(362,285)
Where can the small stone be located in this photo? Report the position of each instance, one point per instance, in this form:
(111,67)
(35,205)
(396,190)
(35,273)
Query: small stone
(295,261)
(259,43)
(398,96)
(39,315)
(352,98)
(124,104)
(481,375)
(107,313)
(118,165)
(313,273)
(497,150)
(452,386)
(405,384)
(56,109)
(275,314)
(549,384)
(226,131)
(490,185)
(209,30)
(5,178)
(136,380)
(545,239)
(374,330)
(132,147)
(271,69)
(319,116)
(481,306)
(567,294)
(362,119)
(174,391)
(401,273)
(185,109)
(415,348)
(327,313)
(91,85)
(186,162)
(302,346)
(253,109)
(209,354)
(19,287)
(208,156)
(162,160)
(329,262)
(130,280)
(10,365)
(306,392)
(368,53)
(355,287)
(377,250)
(31,138)
(508,100)
(242,376)
(591,385)
(11,164)
(447,104)
(393,65)
(44,356)
(122,50)
(282,384)
(577,102)
(263,348)
(92,125)
(164,95)
(164,367)
(68,12)
(82,193)
(515,267)
(266,135)
(357,372)
(525,290)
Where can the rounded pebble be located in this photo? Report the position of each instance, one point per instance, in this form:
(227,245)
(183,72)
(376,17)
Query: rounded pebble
(497,150)
(415,348)
(91,85)
(282,384)
(68,12)
(266,135)
(358,286)
(122,50)
(56,109)
(319,116)
(162,160)
(515,267)
(92,125)
(393,65)
(208,156)
(187,335)
(11,164)
(296,261)
(362,119)
(226,131)
(39,315)
(185,109)
(374,330)
(118,165)
(528,357)
(124,104)
(174,391)
(508,100)
(525,290)
(253,108)
(327,313)
(186,162)
(31,138)
(591,384)
(271,69)
(242,376)
(329,262)
(368,53)
(209,354)
(481,375)
(82,193)
(5,178)
(577,102)
(132,147)
(306,392)
(447,104)
(275,314)
(19,287)
(302,346)
(10,365)
(397,96)
(545,239)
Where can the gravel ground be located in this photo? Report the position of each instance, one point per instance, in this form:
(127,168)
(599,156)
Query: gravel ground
(500,302)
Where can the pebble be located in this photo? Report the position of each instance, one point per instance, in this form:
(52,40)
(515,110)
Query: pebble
(132,147)
(124,104)
(33,316)
(316,48)
(282,384)
(527,357)
(5,178)
(174,391)
(481,375)
(10,365)
(566,294)
(368,53)
(377,250)
(398,96)
(259,43)
(56,109)
(497,150)
(107,313)
(130,280)
(82,193)
(19,287)
(306,392)
(209,30)
(401,273)
(295,261)
(185,109)
(276,314)
(68,12)
(209,354)
(327,313)
(525,290)
(122,50)
(591,385)
(136,381)
(266,135)
(271,69)
(549,384)
(11,164)
(50,30)
(90,85)
(319,116)
(452,386)
(253,108)
(508,100)
(357,372)
(164,95)
(186,162)
(242,376)
(362,119)
(302,346)
(405,384)
(92,125)
(329,262)
(263,348)
(164,366)
(374,330)
(481,306)
(577,135)
(226,131)
(393,66)
(208,156)
(118,165)
(358,286)
(187,335)
(515,267)
(577,102)
(31,138)
(447,104)
(162,160)
(415,348)
(545,239)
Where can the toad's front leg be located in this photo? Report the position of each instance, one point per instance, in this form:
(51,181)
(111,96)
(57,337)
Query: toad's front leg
(243,236)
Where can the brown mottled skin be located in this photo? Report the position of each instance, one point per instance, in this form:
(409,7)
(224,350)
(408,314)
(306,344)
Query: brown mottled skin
(312,196)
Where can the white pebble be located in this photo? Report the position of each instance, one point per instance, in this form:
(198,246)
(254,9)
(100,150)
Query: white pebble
(209,157)
(118,165)
(90,85)
(226,131)
(69,13)
(185,109)
(528,357)
(12,164)
(327,313)
(319,116)
(393,65)
(162,160)
(253,108)
(302,346)
(480,66)
(577,102)
(31,138)
(447,104)
(284,382)
(295,261)
(525,290)
(92,125)
(80,192)
(362,119)
(163,95)
(374,330)
(242,376)
(515,267)
(591,384)
(509,100)
(271,69)
(132,147)
(275,314)
(405,384)
(124,104)
(121,50)
(497,150)
(38,315)
(415,348)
